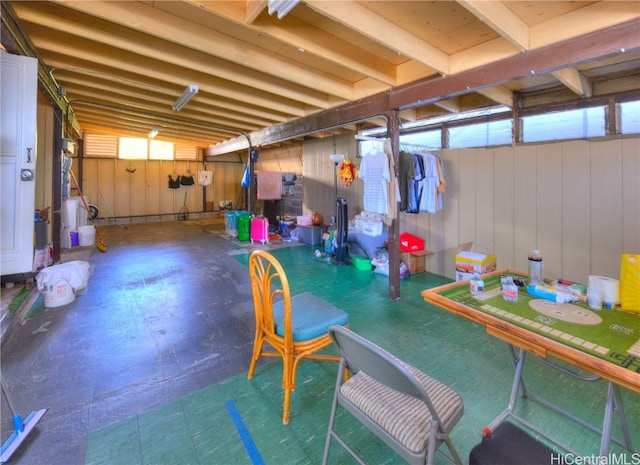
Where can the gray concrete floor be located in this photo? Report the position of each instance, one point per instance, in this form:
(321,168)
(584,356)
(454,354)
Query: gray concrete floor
(167,311)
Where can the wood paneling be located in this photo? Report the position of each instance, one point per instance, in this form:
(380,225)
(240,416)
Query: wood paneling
(145,195)
(630,195)
(606,205)
(504,205)
(318,171)
(577,201)
(576,211)
(548,208)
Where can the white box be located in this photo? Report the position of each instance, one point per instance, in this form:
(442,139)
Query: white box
(461,276)
(372,228)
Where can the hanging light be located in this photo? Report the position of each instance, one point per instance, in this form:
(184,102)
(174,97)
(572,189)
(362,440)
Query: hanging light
(187,95)
(153,133)
(282,7)
(336,158)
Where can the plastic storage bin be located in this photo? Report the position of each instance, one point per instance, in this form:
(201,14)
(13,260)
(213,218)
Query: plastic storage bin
(361,263)
(311,235)
(231,223)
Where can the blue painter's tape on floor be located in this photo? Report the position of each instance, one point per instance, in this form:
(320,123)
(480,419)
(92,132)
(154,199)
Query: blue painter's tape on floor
(252,450)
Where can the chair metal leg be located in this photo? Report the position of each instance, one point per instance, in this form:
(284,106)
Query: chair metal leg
(334,407)
(453,451)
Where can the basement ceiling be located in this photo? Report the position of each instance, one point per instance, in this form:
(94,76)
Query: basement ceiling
(121,65)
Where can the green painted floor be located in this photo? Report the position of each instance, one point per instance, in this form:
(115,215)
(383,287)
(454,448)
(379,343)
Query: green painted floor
(198,428)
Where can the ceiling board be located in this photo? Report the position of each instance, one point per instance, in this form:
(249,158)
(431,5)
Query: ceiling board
(255,71)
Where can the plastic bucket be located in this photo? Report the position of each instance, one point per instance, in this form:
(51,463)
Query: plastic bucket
(58,294)
(77,271)
(86,235)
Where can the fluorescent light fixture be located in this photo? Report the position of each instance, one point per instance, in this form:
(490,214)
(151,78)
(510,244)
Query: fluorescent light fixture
(153,133)
(187,95)
(336,157)
(282,7)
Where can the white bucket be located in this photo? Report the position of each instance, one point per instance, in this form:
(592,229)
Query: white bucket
(58,294)
(87,235)
(77,270)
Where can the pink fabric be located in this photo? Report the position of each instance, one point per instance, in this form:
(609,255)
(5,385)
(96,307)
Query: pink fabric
(269,185)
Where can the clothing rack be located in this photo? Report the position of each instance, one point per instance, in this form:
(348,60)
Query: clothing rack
(370,138)
(417,148)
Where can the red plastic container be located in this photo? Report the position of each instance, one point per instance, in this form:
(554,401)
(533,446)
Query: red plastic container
(410,243)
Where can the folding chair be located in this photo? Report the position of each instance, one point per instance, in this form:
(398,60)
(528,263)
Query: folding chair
(407,409)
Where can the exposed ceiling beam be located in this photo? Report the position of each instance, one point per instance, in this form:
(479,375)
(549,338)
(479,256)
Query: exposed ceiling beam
(501,19)
(313,41)
(253,8)
(572,52)
(498,94)
(376,28)
(210,42)
(575,81)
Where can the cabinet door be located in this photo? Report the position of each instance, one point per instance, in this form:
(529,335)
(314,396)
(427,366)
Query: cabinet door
(19,83)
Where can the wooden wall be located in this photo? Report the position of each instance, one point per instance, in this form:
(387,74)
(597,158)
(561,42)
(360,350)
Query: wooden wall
(318,170)
(144,195)
(44,159)
(577,201)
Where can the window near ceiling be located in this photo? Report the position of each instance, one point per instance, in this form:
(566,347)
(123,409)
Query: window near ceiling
(429,140)
(136,148)
(160,150)
(100,146)
(571,124)
(186,152)
(629,117)
(484,134)
(133,148)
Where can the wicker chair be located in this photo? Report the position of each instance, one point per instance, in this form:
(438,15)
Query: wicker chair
(295,327)
(407,409)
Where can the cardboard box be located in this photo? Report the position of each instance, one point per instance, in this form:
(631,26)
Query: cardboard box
(372,228)
(410,243)
(415,261)
(475,262)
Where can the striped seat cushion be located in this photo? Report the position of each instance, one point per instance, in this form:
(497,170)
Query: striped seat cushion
(404,417)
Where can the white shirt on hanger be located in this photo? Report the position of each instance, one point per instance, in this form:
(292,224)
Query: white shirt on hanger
(374,171)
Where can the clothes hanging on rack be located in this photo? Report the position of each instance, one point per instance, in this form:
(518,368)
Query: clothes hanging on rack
(424,179)
(374,171)
(289,184)
(407,173)
(393,193)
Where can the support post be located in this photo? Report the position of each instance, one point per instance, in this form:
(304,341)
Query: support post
(393,129)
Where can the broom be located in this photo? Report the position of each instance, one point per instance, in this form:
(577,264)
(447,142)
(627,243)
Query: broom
(102,246)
